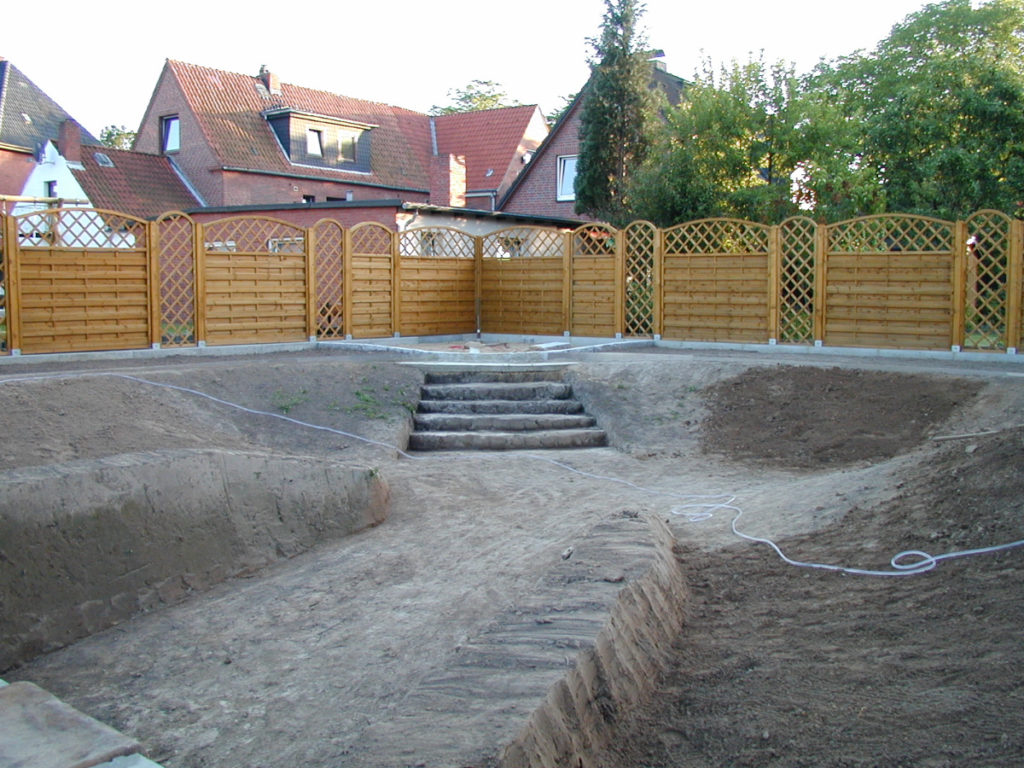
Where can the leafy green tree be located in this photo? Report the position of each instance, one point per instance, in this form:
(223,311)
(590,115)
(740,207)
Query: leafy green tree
(476,96)
(731,148)
(117,137)
(940,103)
(617,113)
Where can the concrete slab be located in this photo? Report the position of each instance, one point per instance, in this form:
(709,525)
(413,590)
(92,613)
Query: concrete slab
(38,730)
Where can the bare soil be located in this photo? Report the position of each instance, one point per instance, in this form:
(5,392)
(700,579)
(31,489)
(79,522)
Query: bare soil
(839,461)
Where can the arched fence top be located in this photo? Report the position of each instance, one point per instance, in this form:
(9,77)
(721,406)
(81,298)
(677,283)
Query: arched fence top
(253,234)
(371,238)
(892,233)
(724,236)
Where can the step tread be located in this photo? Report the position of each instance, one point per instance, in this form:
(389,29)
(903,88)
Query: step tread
(563,405)
(509,422)
(495,440)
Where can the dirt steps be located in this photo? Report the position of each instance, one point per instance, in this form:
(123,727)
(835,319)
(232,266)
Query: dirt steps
(501,409)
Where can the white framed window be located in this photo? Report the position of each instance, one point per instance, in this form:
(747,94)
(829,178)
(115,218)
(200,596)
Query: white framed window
(566,177)
(170,128)
(314,142)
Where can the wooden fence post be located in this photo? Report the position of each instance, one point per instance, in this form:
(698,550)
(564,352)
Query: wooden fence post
(774,282)
(396,287)
(620,283)
(12,299)
(657,269)
(153,277)
(567,293)
(958,320)
(478,282)
(311,286)
(199,249)
(1015,287)
(346,283)
(820,281)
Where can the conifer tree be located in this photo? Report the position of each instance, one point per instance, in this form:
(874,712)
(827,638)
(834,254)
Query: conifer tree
(618,107)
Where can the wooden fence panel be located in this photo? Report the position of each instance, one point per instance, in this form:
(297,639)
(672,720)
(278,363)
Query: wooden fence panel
(890,283)
(437,282)
(4,286)
(254,277)
(83,279)
(329,298)
(174,240)
(369,301)
(522,282)
(595,280)
(716,281)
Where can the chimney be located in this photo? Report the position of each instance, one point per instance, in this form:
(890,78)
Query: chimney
(69,141)
(448,181)
(270,81)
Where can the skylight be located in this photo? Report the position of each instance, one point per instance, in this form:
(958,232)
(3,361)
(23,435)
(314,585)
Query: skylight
(103,160)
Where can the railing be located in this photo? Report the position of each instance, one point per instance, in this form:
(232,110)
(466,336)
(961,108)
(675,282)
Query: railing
(77,279)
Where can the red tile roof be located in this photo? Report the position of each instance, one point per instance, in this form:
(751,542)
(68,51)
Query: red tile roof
(230,107)
(489,140)
(135,183)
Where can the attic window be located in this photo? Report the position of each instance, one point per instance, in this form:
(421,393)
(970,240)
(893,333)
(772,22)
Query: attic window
(171,133)
(103,160)
(566,178)
(314,142)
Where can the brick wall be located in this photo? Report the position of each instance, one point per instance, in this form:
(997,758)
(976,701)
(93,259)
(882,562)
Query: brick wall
(536,192)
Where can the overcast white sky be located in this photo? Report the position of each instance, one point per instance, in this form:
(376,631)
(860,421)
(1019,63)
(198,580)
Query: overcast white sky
(101,65)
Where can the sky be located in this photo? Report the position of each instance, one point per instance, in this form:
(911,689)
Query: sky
(101,66)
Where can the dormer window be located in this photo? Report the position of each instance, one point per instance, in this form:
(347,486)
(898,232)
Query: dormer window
(170,128)
(321,141)
(314,142)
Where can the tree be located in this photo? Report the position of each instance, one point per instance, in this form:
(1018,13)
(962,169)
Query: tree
(940,106)
(617,113)
(117,137)
(731,148)
(476,96)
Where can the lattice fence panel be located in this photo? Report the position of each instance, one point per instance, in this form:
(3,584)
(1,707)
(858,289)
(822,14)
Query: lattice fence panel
(717,236)
(88,228)
(435,243)
(251,234)
(987,280)
(797,238)
(641,265)
(891,234)
(524,242)
(371,273)
(330,280)
(177,259)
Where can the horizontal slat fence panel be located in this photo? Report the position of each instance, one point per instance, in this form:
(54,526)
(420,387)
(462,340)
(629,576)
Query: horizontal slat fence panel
(437,296)
(437,282)
(522,282)
(254,281)
(890,283)
(368,289)
(595,266)
(715,281)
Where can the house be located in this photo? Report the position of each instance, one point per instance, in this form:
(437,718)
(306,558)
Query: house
(28,120)
(66,171)
(545,188)
(252,140)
